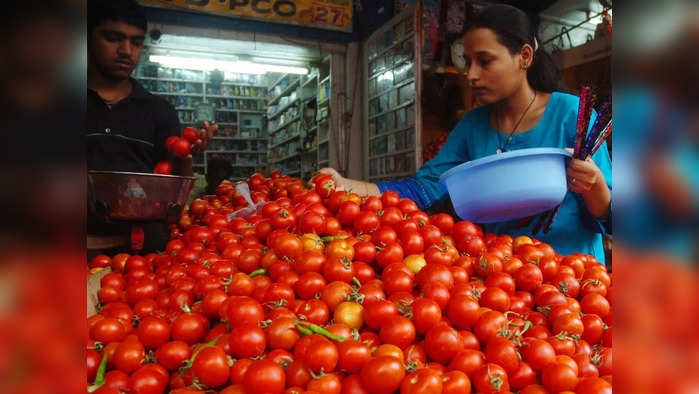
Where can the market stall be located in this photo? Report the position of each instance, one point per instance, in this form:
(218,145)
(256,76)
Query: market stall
(285,280)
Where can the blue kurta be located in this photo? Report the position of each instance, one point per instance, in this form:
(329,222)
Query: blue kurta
(574,229)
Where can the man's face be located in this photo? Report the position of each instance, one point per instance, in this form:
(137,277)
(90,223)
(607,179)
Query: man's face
(114,48)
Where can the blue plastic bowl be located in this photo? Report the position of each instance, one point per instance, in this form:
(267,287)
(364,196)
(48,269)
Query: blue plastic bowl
(508,186)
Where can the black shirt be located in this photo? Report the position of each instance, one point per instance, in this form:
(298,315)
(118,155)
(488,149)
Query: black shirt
(129,136)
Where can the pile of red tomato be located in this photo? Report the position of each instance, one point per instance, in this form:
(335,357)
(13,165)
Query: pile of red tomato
(324,291)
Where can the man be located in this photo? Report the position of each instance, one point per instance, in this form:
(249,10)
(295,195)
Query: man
(126,126)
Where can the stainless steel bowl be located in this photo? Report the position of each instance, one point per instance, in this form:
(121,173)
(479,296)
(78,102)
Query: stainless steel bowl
(133,196)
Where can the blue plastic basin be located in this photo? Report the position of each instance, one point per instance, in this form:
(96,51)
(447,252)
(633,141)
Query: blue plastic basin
(508,186)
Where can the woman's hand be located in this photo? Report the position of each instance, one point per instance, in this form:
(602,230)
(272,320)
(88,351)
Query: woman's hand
(586,179)
(351,185)
(339,179)
(583,175)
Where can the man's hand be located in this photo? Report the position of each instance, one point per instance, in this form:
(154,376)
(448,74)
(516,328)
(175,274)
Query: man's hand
(206,133)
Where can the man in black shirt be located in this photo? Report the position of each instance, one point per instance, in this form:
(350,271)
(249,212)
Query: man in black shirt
(126,126)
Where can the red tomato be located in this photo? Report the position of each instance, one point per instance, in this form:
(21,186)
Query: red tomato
(264,376)
(190,134)
(455,382)
(382,374)
(559,377)
(422,381)
(442,343)
(181,147)
(490,378)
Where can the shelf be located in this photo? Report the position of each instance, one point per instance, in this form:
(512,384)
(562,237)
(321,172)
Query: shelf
(179,94)
(227,83)
(284,108)
(323,161)
(218,96)
(272,86)
(285,91)
(226,123)
(410,60)
(297,117)
(320,103)
(396,86)
(184,108)
(324,80)
(398,152)
(311,78)
(395,43)
(238,138)
(325,141)
(249,111)
(392,131)
(411,101)
(293,137)
(291,156)
(168,79)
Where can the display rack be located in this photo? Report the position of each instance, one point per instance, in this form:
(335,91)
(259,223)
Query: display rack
(298,124)
(239,103)
(392,121)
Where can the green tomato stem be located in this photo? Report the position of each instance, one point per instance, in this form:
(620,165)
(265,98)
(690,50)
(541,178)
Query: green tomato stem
(258,272)
(320,330)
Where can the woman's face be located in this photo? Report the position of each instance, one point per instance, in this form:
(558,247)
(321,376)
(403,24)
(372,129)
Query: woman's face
(492,71)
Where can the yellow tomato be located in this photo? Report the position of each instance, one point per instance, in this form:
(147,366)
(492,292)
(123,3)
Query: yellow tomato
(350,314)
(415,262)
(521,240)
(312,242)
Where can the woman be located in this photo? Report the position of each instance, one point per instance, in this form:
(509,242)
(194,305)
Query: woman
(517,82)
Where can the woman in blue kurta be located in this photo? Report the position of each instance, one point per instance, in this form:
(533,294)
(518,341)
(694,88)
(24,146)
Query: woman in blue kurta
(517,83)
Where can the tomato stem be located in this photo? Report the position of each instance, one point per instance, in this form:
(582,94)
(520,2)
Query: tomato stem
(258,272)
(303,330)
(99,379)
(356,281)
(320,330)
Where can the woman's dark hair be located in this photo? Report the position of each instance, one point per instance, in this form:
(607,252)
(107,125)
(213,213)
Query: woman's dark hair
(513,29)
(128,11)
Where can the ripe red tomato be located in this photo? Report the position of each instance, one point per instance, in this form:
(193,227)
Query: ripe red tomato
(153,331)
(537,353)
(352,355)
(467,361)
(181,147)
(502,352)
(442,343)
(210,366)
(190,134)
(163,167)
(490,378)
(455,382)
(398,330)
(488,325)
(264,376)
(559,377)
(171,355)
(422,381)
(382,374)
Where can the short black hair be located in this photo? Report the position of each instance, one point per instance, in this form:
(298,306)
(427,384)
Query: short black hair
(128,11)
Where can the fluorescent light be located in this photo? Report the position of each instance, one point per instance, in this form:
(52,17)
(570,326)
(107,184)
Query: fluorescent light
(206,64)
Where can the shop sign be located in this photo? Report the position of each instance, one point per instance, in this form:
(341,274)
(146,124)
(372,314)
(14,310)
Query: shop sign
(322,14)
